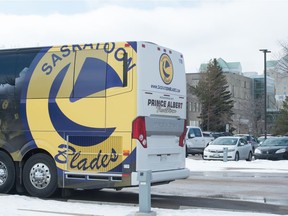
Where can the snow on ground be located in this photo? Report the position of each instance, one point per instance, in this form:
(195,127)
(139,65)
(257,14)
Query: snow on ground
(16,205)
(27,206)
(242,165)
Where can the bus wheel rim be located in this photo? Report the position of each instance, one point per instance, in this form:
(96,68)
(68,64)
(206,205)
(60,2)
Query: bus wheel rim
(40,176)
(3,173)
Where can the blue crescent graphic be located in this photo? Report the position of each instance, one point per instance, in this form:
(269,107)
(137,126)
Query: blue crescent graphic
(95,76)
(97,82)
(164,66)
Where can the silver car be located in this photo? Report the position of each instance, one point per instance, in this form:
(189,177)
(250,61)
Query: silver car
(250,139)
(238,148)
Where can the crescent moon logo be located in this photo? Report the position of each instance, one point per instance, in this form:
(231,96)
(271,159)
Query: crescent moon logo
(166,69)
(54,116)
(67,105)
(60,120)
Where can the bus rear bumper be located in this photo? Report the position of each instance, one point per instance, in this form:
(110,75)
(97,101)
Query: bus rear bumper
(163,176)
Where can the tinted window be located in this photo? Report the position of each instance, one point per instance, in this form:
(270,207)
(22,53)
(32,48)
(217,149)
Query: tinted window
(24,61)
(243,141)
(275,142)
(7,73)
(196,132)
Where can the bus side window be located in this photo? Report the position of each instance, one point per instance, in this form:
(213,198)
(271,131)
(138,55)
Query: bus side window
(8,106)
(8,73)
(24,60)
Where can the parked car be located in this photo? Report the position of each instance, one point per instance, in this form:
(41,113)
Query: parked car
(196,140)
(273,148)
(262,138)
(238,148)
(250,139)
(207,134)
(217,134)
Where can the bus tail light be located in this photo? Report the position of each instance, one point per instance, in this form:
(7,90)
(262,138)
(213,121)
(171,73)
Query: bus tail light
(182,136)
(139,131)
(126,152)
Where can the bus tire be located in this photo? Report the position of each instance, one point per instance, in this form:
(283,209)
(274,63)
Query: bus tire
(7,173)
(40,176)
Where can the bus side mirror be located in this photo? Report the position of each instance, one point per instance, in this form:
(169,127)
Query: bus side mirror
(125,69)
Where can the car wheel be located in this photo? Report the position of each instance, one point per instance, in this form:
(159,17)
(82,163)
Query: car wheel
(7,173)
(236,156)
(40,176)
(249,156)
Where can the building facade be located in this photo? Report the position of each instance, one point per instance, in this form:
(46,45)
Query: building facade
(281,78)
(247,93)
(240,87)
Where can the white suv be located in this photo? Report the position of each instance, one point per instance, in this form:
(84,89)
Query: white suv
(196,141)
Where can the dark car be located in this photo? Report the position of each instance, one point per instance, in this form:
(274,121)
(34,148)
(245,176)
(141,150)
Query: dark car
(274,148)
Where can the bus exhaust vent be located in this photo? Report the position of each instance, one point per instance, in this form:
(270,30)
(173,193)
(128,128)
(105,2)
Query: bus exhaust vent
(93,177)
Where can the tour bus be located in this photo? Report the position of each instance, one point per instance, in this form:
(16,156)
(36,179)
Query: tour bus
(91,116)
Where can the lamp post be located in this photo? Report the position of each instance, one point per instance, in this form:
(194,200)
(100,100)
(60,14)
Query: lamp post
(265,51)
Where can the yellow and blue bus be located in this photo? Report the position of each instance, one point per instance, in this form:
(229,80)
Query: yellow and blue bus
(91,116)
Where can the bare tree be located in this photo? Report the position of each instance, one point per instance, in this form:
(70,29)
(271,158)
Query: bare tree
(283,62)
(250,116)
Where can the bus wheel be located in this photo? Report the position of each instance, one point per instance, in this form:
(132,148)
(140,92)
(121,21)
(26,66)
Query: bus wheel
(40,176)
(7,173)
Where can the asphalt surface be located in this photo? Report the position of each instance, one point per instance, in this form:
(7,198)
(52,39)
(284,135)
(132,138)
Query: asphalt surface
(239,191)
(176,202)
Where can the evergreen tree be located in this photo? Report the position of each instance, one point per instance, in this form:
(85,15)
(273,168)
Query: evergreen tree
(215,98)
(281,125)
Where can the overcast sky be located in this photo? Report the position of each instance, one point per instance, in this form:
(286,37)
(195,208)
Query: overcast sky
(234,30)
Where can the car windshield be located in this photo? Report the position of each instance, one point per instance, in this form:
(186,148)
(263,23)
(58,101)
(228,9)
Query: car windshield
(275,142)
(225,141)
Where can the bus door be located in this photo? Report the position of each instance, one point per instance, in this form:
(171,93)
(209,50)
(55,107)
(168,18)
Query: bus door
(89,112)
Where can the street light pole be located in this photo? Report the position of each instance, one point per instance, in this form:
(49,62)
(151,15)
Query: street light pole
(265,51)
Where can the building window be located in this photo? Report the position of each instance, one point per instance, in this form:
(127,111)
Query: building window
(199,107)
(194,123)
(194,107)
